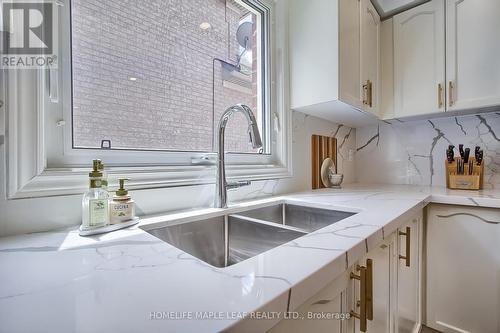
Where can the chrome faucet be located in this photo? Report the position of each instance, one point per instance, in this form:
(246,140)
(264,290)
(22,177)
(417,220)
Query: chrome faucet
(222,185)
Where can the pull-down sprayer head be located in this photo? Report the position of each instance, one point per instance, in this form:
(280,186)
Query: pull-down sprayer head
(253,129)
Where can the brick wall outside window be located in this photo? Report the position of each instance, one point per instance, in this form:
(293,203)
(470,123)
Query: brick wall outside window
(179,90)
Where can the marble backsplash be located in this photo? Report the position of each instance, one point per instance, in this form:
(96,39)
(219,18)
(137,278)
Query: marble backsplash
(413,152)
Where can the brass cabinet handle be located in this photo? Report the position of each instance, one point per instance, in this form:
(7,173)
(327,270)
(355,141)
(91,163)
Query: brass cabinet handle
(369,289)
(361,315)
(440,96)
(407,234)
(450,93)
(368,93)
(365,93)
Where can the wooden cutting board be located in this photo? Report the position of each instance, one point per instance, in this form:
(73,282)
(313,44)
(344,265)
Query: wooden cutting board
(321,148)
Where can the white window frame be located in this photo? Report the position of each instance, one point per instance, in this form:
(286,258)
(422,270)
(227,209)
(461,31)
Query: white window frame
(40,163)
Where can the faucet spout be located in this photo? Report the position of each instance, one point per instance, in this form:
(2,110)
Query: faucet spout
(255,139)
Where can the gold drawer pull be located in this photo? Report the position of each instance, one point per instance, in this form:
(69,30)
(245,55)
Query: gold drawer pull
(369,289)
(440,96)
(362,302)
(450,93)
(365,93)
(368,92)
(407,234)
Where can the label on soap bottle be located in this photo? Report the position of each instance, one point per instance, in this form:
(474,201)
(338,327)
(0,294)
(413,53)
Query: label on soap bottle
(121,212)
(98,212)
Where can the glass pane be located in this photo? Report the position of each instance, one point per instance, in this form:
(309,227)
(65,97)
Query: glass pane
(157,74)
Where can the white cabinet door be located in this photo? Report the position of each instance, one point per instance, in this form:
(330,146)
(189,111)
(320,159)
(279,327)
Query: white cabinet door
(370,56)
(328,302)
(407,307)
(463,269)
(381,290)
(349,53)
(419,60)
(473,53)
(381,287)
(314,62)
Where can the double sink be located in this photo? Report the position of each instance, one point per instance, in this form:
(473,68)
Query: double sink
(225,240)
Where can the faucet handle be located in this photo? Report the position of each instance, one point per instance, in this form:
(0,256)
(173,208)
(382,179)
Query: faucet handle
(240,183)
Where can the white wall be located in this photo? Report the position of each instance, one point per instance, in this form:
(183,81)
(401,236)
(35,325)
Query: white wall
(413,152)
(42,214)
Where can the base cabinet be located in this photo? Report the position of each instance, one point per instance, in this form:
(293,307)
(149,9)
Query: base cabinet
(463,269)
(379,290)
(462,274)
(383,287)
(396,281)
(330,301)
(407,304)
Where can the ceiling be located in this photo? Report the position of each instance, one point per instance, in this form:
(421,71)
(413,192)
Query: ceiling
(388,8)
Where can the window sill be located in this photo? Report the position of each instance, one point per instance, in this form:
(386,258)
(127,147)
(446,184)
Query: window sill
(74,181)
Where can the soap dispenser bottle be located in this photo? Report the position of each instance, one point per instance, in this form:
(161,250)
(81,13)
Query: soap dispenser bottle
(95,212)
(122,207)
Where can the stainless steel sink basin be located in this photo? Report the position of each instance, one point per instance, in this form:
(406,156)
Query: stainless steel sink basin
(305,218)
(226,240)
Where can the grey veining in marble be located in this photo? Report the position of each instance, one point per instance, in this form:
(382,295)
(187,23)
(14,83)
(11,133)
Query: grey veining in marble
(413,152)
(470,215)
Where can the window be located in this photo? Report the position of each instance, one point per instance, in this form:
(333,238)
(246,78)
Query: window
(157,75)
(141,85)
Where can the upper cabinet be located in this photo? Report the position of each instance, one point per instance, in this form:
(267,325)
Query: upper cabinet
(369,55)
(350,90)
(446,57)
(313,52)
(334,59)
(349,67)
(419,60)
(472,53)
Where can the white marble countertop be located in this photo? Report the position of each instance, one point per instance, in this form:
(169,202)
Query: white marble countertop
(61,282)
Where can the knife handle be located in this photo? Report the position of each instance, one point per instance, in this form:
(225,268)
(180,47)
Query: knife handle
(449,155)
(466,155)
(479,159)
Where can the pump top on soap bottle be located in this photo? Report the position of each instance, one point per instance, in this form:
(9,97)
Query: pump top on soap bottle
(122,192)
(95,176)
(104,175)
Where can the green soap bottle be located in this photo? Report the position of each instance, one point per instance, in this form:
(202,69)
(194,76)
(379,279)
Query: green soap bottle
(95,211)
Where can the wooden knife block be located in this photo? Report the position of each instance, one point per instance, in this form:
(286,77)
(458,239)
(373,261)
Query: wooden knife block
(465,181)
